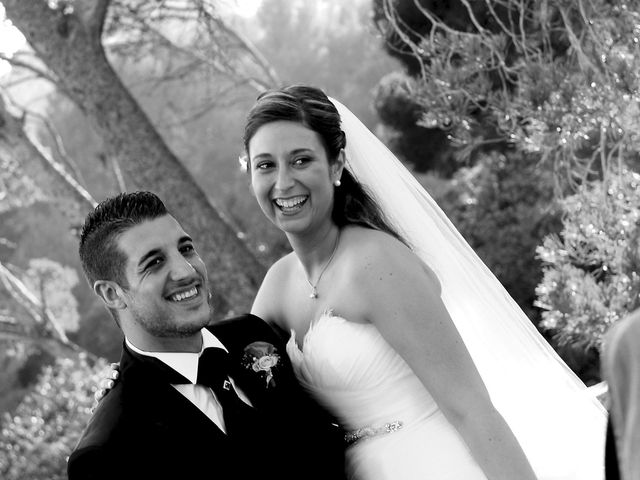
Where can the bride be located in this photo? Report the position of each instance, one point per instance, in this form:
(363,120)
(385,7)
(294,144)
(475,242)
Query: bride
(395,324)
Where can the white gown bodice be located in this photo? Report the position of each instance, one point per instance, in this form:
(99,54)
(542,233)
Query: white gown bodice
(351,369)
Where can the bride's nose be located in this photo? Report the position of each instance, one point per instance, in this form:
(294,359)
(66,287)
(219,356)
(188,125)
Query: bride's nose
(284,178)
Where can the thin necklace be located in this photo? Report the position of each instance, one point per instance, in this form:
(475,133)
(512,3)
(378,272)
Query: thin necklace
(314,290)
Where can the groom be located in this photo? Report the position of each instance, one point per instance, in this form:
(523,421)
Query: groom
(192,400)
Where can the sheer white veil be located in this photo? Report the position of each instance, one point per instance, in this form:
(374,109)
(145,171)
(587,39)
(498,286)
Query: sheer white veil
(559,424)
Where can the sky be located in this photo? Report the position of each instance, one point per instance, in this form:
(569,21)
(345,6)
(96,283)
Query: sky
(12,40)
(245,8)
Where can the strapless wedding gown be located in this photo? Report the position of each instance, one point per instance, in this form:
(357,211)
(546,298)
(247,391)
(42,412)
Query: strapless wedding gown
(354,372)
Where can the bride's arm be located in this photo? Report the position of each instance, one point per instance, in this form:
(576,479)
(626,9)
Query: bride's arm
(403,301)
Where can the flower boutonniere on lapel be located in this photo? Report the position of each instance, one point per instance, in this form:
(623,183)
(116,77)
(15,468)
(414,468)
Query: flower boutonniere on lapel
(263,359)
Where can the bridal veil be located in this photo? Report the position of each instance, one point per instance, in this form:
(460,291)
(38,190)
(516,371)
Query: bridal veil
(558,422)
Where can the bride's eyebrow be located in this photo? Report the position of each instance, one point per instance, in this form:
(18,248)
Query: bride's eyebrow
(301,150)
(260,156)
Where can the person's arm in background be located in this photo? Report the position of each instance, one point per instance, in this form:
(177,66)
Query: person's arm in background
(621,370)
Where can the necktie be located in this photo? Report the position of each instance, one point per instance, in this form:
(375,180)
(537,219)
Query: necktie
(213,368)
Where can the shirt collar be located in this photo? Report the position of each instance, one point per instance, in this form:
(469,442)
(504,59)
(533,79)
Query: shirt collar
(185,363)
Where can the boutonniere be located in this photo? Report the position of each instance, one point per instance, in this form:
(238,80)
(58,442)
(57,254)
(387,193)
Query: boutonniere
(263,359)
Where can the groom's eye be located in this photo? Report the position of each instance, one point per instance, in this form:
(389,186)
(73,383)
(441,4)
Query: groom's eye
(187,249)
(154,262)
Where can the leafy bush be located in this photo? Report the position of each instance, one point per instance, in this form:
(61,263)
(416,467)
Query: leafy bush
(504,206)
(592,268)
(39,435)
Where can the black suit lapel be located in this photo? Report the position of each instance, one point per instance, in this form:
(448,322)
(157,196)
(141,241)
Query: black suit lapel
(236,335)
(244,378)
(150,382)
(286,408)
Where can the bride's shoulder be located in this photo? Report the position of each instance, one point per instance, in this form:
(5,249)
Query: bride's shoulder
(366,243)
(372,253)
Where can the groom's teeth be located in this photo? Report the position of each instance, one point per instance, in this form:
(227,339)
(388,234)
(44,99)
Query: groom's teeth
(177,297)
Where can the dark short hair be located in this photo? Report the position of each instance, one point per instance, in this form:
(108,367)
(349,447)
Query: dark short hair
(311,107)
(99,253)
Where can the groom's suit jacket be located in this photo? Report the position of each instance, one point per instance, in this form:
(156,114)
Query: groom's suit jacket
(144,428)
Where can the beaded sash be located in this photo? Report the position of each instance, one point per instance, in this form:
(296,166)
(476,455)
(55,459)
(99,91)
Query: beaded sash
(367,432)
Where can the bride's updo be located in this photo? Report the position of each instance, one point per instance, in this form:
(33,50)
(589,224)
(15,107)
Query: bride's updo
(311,107)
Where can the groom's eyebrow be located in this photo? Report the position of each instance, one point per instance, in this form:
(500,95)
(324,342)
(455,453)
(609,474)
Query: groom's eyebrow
(156,251)
(185,239)
(148,255)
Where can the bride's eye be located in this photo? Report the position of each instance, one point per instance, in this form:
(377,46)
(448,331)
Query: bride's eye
(263,165)
(299,161)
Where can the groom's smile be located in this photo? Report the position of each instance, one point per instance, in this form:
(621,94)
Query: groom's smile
(167,289)
(190,296)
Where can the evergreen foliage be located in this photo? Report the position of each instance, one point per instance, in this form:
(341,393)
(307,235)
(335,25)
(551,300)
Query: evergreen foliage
(554,84)
(559,79)
(39,435)
(504,207)
(592,269)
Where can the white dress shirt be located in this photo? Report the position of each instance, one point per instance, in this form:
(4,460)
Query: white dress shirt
(186,364)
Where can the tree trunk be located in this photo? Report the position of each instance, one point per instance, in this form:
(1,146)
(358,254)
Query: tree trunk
(49,176)
(70,45)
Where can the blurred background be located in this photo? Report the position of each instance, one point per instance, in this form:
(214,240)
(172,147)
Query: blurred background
(520,117)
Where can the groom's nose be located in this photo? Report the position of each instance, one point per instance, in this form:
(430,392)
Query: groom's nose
(181,268)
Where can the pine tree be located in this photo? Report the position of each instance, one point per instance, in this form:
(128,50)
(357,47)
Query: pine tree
(557,79)
(592,269)
(559,84)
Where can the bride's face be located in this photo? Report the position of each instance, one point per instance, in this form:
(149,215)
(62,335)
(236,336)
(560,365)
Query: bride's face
(291,176)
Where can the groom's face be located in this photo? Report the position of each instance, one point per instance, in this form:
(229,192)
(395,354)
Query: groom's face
(167,292)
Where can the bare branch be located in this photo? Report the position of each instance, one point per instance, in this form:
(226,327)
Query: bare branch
(93,14)
(15,62)
(253,51)
(40,314)
(47,173)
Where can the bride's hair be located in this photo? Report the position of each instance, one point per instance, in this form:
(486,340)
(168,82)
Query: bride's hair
(310,106)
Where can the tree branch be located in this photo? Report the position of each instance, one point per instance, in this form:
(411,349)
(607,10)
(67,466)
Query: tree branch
(45,75)
(93,14)
(39,312)
(46,172)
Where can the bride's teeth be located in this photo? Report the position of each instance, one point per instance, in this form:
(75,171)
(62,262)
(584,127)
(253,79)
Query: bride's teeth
(289,202)
(181,296)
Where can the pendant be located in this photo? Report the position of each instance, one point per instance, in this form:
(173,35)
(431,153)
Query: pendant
(314,293)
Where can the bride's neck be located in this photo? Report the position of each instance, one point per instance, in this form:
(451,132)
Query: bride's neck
(314,250)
